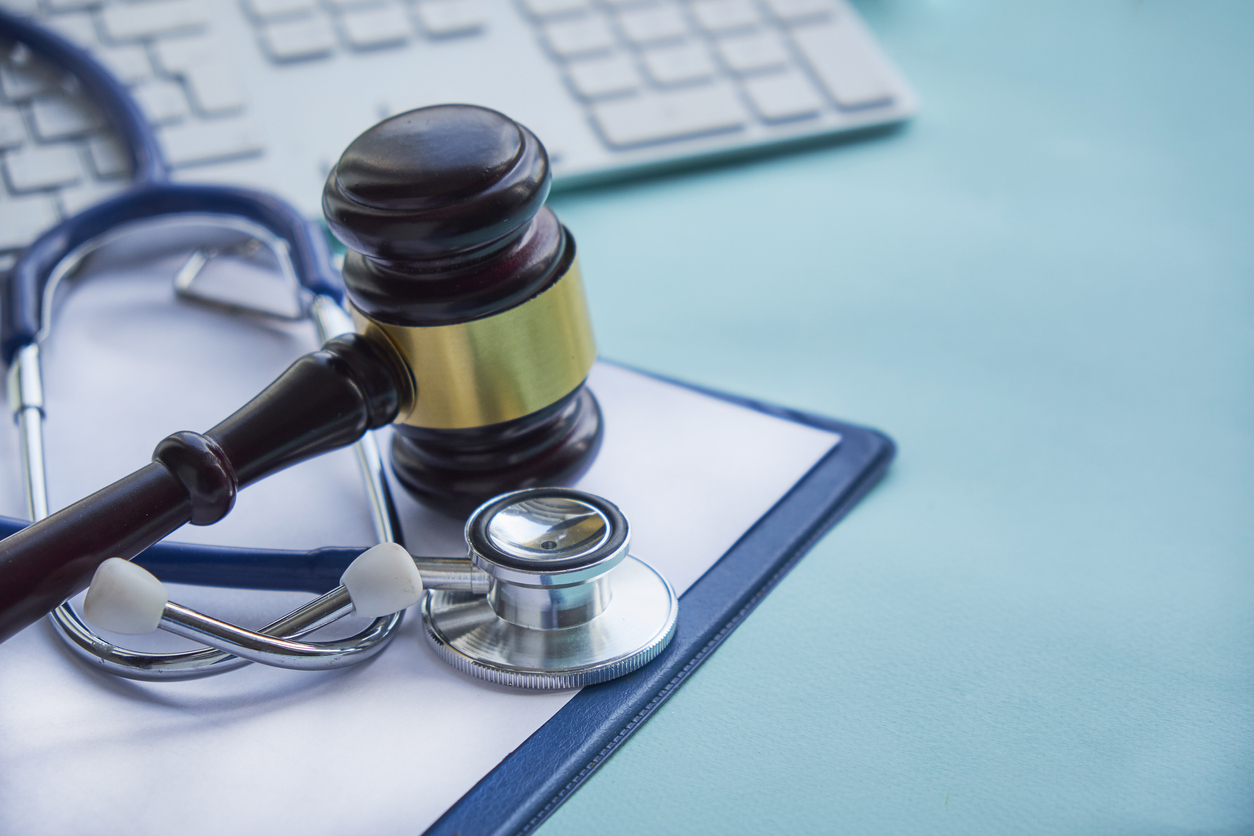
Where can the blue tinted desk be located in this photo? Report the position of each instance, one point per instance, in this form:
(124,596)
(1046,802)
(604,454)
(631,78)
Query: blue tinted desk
(1043,620)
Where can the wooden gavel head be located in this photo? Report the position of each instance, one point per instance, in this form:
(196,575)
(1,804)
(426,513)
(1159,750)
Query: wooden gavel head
(474,343)
(456,265)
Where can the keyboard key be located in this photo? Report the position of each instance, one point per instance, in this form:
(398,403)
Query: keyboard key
(266,9)
(671,115)
(670,65)
(784,97)
(212,86)
(22,219)
(203,142)
(214,90)
(12,130)
(446,18)
(35,168)
(795,11)
(597,78)
(851,73)
(107,157)
(62,117)
(375,27)
(725,15)
(760,51)
(292,40)
(552,8)
(77,27)
(69,5)
(579,37)
(75,199)
(653,24)
(133,21)
(162,101)
(176,56)
(129,63)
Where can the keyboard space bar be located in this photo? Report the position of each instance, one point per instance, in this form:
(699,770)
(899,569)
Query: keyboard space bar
(659,117)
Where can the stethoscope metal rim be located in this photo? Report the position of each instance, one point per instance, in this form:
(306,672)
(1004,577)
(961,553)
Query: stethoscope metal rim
(501,564)
(636,626)
(553,624)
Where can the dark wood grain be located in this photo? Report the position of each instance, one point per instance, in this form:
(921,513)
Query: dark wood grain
(442,210)
(457,471)
(324,400)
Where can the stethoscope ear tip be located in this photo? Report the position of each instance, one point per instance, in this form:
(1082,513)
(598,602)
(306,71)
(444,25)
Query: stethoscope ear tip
(382,580)
(124,598)
(543,562)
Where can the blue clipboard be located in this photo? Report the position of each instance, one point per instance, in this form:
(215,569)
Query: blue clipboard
(526,787)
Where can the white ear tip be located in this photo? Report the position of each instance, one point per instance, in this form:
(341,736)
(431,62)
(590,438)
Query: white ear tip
(124,598)
(383,580)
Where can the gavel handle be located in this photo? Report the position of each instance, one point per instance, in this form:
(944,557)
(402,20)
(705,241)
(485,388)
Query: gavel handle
(325,400)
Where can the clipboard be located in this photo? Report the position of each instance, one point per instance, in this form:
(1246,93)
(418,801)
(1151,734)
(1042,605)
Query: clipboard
(516,757)
(530,784)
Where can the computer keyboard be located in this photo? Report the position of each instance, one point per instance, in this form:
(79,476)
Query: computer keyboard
(268,93)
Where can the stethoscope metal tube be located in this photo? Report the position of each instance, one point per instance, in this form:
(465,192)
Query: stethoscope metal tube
(384,578)
(279,651)
(566,605)
(29,291)
(231,650)
(195,664)
(235,647)
(26,401)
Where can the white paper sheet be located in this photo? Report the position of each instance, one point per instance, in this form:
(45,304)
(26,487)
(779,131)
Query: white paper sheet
(383,748)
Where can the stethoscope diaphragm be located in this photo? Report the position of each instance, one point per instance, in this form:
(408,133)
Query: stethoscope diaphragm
(566,605)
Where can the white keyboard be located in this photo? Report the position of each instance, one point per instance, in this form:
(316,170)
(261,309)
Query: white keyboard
(268,93)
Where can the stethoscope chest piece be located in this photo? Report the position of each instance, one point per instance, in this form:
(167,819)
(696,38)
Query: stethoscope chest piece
(566,605)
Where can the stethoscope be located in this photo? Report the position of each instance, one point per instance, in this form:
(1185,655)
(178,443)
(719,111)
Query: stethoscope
(548,596)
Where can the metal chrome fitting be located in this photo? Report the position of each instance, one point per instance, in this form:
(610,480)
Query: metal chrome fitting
(566,606)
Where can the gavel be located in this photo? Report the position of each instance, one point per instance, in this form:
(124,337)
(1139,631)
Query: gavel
(473,339)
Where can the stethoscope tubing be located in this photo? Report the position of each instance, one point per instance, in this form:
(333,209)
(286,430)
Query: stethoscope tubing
(317,571)
(23,315)
(149,196)
(148,163)
(23,319)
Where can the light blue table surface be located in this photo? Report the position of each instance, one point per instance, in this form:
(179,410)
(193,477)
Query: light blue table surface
(1043,619)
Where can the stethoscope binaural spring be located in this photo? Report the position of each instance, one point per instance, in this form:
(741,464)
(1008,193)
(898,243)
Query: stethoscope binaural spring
(548,598)
(329,320)
(26,316)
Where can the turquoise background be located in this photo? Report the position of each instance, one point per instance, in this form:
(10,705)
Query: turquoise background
(1043,619)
